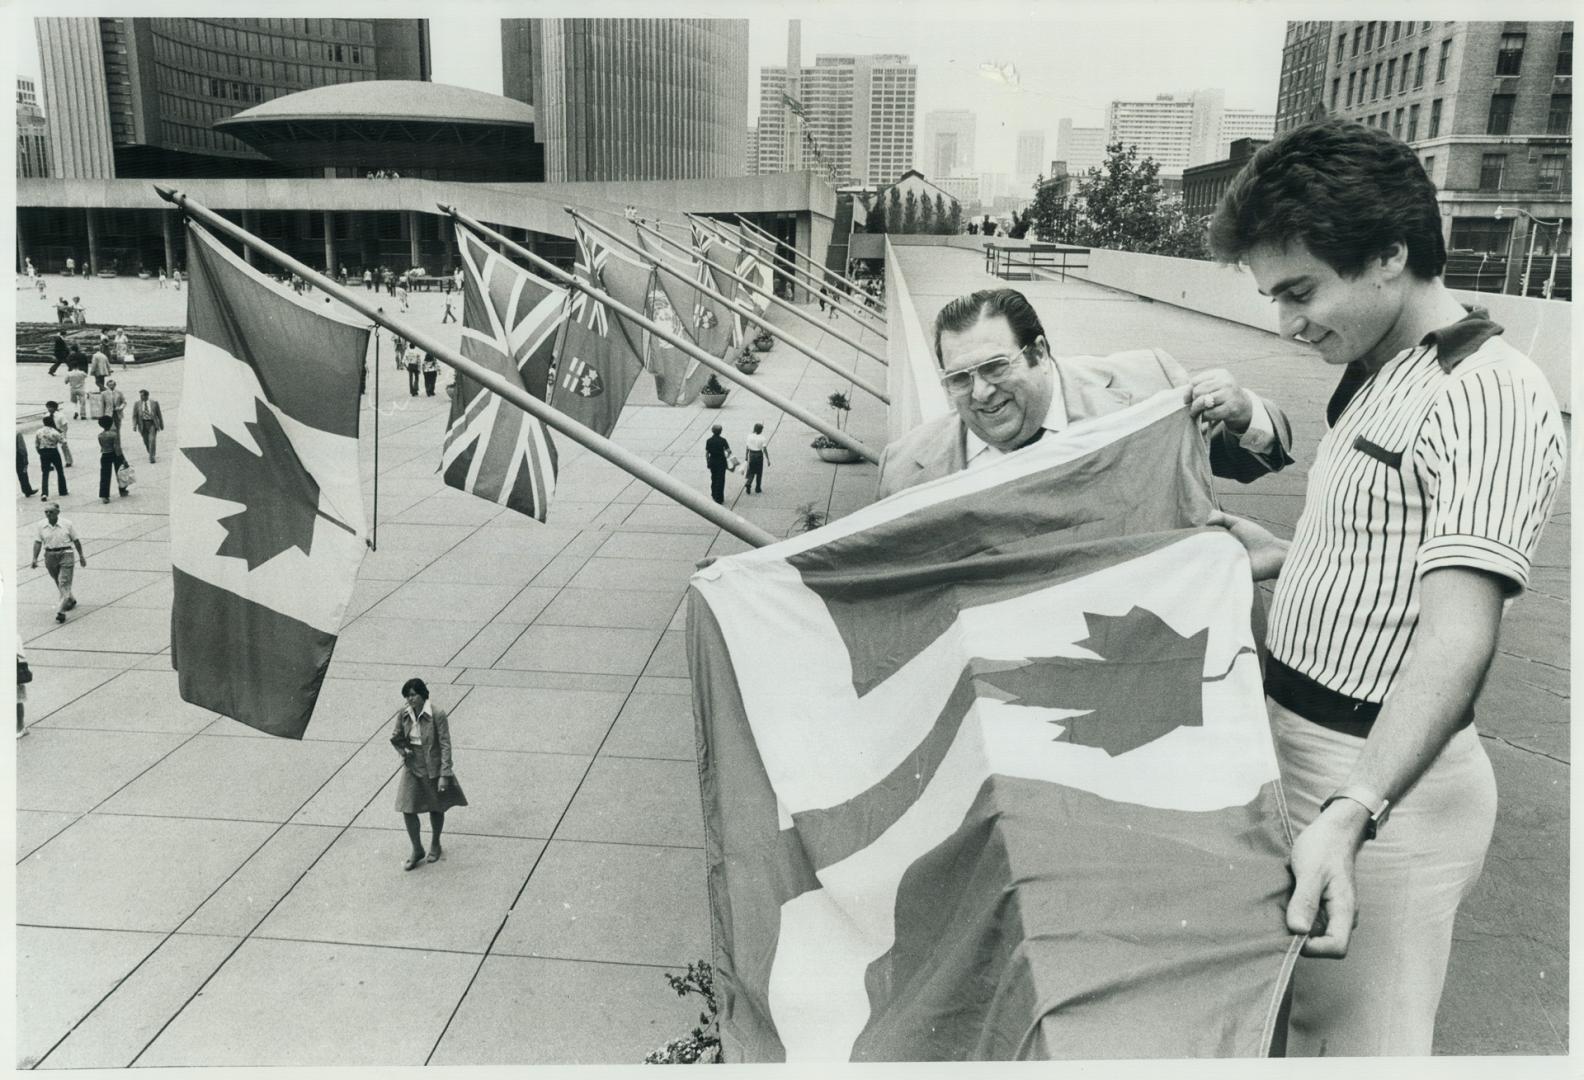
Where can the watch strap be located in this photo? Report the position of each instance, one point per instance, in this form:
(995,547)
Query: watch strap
(1379,806)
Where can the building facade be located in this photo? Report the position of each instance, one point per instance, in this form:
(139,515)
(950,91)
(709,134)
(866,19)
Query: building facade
(1181,130)
(1203,185)
(1300,97)
(751,152)
(1080,148)
(855,115)
(32,134)
(632,99)
(1488,107)
(949,136)
(1030,156)
(154,88)
(1243,124)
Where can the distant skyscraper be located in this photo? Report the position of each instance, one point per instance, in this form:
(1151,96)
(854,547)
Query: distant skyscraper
(32,133)
(1030,155)
(1242,124)
(631,99)
(1082,148)
(857,118)
(949,136)
(154,87)
(1301,95)
(751,156)
(1179,130)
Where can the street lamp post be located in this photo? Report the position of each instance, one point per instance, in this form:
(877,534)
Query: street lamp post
(1556,243)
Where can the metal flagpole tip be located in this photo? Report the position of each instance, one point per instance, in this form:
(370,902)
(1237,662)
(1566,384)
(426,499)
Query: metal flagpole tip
(166,193)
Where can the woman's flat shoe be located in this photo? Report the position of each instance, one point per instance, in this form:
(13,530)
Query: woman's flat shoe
(434,855)
(412,861)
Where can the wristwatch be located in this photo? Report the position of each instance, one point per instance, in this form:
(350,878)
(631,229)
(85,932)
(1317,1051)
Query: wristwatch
(1379,807)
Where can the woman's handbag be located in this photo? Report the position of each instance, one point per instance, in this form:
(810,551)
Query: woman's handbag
(125,477)
(24,673)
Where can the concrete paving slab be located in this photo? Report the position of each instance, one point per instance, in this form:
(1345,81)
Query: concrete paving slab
(515,1013)
(99,584)
(593,649)
(77,770)
(62,974)
(368,592)
(607,607)
(635,575)
(238,906)
(488,645)
(637,801)
(525,605)
(147,555)
(132,701)
(107,629)
(53,688)
(115,1033)
(668,517)
(404,549)
(620,903)
(549,680)
(504,569)
(346,794)
(670,656)
(418,600)
(509,794)
(111,872)
(654,726)
(35,828)
(547,721)
(226,779)
(329,1004)
(158,594)
(396,641)
(661,684)
(642,545)
(358,892)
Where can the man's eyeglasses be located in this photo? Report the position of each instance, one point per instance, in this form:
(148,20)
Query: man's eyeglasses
(997,369)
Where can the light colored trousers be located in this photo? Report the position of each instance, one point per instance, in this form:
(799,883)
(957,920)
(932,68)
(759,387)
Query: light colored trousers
(1381,999)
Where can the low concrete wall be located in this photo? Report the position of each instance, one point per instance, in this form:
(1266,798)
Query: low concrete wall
(911,383)
(1540,328)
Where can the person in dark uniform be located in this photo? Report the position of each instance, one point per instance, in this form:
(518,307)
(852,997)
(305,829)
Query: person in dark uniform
(716,451)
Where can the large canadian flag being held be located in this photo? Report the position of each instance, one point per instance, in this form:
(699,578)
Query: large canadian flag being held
(987,772)
(267,527)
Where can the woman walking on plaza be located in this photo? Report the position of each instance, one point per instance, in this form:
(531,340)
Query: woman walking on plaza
(111,460)
(48,443)
(428,785)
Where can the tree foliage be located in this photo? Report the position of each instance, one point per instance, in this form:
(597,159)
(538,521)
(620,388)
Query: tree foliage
(910,213)
(894,212)
(1120,206)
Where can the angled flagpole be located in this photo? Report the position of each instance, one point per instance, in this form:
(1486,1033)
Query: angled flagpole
(737,309)
(771,296)
(619,456)
(772,241)
(717,365)
(838,298)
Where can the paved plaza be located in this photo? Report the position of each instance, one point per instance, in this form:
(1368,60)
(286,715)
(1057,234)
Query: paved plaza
(190,892)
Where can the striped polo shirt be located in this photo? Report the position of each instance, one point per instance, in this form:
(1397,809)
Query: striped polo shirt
(1449,455)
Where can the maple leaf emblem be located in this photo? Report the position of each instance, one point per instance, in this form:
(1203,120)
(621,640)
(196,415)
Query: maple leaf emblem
(280,497)
(1146,684)
(703,317)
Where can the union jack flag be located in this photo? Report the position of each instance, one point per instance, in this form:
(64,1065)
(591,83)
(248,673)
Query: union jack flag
(590,268)
(509,323)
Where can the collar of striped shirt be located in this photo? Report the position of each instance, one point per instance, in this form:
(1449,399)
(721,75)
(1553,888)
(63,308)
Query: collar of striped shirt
(1462,339)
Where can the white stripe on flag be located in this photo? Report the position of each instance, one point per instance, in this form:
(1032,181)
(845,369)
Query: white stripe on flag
(228,397)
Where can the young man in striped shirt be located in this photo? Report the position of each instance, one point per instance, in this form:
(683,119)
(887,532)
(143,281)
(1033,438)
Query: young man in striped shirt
(1424,508)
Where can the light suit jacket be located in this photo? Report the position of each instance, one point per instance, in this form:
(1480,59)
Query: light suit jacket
(433,759)
(1091,386)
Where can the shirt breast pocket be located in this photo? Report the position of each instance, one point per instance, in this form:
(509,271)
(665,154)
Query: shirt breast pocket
(1392,458)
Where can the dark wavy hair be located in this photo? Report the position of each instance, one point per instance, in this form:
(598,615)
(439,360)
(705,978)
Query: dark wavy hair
(1010,304)
(1346,191)
(415,684)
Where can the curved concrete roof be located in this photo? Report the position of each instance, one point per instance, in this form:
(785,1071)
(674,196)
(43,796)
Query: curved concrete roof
(391,99)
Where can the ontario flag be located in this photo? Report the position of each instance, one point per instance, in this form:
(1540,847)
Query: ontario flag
(677,302)
(509,322)
(266,522)
(601,352)
(986,769)
(721,257)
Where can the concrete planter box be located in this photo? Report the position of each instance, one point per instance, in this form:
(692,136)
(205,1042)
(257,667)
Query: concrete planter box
(713,401)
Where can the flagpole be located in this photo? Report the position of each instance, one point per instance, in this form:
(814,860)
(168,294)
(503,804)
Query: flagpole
(619,456)
(733,307)
(843,338)
(797,254)
(786,405)
(715,227)
(851,310)
(374,535)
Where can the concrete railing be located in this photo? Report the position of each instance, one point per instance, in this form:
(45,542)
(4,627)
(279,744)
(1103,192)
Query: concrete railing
(911,382)
(1542,329)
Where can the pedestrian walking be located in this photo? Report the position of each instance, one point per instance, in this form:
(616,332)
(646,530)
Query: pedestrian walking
(99,368)
(431,372)
(75,378)
(401,294)
(414,358)
(24,676)
(47,441)
(147,421)
(79,314)
(71,266)
(758,457)
(61,350)
(422,736)
(449,316)
(113,404)
(23,479)
(368,280)
(52,410)
(716,451)
(62,311)
(111,460)
(56,537)
(400,351)
(162,277)
(121,348)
